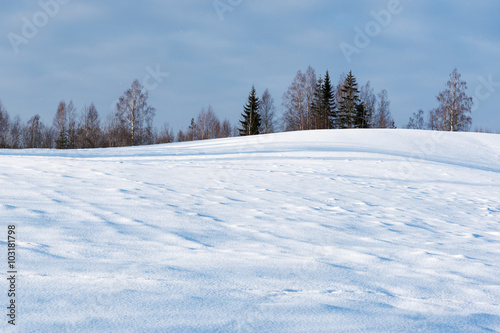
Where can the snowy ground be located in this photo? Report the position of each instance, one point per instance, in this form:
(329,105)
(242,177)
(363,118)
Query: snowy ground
(324,231)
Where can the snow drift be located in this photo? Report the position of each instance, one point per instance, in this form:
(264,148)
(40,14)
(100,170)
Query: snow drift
(318,231)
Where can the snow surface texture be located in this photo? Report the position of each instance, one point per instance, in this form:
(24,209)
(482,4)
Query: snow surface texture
(319,231)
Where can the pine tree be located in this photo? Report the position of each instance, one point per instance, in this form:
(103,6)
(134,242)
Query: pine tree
(251,117)
(348,103)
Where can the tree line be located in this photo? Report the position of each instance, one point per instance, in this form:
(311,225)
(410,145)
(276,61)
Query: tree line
(131,124)
(309,103)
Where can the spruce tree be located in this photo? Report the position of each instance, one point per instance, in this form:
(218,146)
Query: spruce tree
(317,107)
(251,117)
(349,102)
(192,131)
(362,121)
(323,107)
(330,116)
(62,140)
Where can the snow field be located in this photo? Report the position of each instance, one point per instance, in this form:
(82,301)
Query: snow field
(320,231)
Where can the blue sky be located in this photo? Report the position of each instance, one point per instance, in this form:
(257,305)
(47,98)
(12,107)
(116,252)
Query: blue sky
(91,51)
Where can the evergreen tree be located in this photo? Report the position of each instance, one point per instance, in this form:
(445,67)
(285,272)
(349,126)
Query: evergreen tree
(191,136)
(362,120)
(318,108)
(349,102)
(330,116)
(251,117)
(323,107)
(62,140)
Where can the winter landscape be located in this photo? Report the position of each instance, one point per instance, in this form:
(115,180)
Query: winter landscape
(250,166)
(318,231)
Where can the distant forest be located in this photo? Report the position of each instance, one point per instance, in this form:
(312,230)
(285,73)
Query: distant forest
(310,103)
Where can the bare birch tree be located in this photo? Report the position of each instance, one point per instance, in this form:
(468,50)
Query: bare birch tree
(4,127)
(368,99)
(383,117)
(207,124)
(165,134)
(16,132)
(60,124)
(33,133)
(72,126)
(295,104)
(310,88)
(90,131)
(267,111)
(226,129)
(454,105)
(133,112)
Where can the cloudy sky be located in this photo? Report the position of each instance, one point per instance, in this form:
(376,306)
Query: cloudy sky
(214,51)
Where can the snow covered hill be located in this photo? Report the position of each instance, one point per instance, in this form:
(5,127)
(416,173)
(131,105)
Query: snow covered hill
(320,231)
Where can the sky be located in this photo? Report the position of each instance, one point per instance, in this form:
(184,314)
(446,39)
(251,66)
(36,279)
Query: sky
(191,54)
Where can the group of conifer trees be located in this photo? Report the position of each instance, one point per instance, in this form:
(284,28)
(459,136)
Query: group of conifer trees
(315,103)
